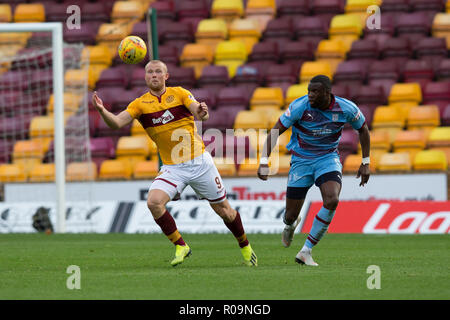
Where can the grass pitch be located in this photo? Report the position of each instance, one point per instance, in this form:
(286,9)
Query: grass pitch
(137,266)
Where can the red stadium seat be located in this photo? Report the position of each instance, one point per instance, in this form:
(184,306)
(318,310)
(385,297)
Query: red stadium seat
(248,77)
(177,34)
(432,49)
(214,78)
(293,8)
(86,34)
(372,96)
(327,9)
(264,51)
(222,118)
(180,76)
(397,50)
(413,26)
(113,77)
(350,73)
(140,30)
(282,76)
(95,11)
(384,74)
(419,71)
(437,93)
(168,54)
(103,147)
(280,30)
(192,9)
(445,116)
(311,29)
(429,6)
(349,141)
(364,50)
(205,95)
(386,31)
(395,6)
(443,70)
(165,11)
(296,53)
(233,96)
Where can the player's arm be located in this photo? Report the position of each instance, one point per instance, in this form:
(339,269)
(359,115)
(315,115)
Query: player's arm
(271,142)
(113,121)
(199,110)
(364,140)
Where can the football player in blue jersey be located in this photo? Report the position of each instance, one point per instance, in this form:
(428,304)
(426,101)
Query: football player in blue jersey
(317,120)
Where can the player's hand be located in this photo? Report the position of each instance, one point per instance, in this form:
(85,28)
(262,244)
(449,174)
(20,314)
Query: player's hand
(263,171)
(97,102)
(202,110)
(364,173)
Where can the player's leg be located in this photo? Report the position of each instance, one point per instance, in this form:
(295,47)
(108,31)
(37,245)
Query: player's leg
(163,189)
(299,181)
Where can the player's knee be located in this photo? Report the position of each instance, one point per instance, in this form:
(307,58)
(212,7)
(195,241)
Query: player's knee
(155,205)
(331,202)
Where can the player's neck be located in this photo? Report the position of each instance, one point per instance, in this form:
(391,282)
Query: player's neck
(158,93)
(326,104)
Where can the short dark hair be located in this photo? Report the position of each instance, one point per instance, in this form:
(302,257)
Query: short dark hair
(324,80)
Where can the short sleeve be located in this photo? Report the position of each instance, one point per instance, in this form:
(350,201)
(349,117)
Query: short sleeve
(134,109)
(355,117)
(186,97)
(290,116)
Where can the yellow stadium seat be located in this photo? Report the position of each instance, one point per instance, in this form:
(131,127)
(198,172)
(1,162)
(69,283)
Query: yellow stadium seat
(262,11)
(423,117)
(246,119)
(353,161)
(127,11)
(133,146)
(346,27)
(41,126)
(211,32)
(403,108)
(387,119)
(273,118)
(447,6)
(225,166)
(12,173)
(430,160)
(248,169)
(137,129)
(441,26)
(394,162)
(246,31)
(27,149)
(446,150)
(439,137)
(359,7)
(331,51)
(197,56)
(110,35)
(267,97)
(283,140)
(145,169)
(115,170)
(29,12)
(295,91)
(231,54)
(5,13)
(311,69)
(71,102)
(280,164)
(43,172)
(81,171)
(405,92)
(76,78)
(14,38)
(411,141)
(227,10)
(99,54)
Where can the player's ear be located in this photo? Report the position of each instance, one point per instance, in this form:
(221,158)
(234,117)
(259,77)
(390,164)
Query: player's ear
(167,76)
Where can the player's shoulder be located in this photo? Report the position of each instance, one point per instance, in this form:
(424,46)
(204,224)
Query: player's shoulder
(300,103)
(177,90)
(345,104)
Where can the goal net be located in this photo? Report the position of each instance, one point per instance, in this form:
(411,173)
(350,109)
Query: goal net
(44,125)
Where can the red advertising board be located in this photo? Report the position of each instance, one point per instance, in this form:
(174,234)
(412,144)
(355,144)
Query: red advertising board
(386,217)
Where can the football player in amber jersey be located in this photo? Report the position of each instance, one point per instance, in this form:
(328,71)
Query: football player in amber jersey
(167,115)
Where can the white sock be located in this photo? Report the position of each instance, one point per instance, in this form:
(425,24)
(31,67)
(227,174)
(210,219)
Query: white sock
(306,249)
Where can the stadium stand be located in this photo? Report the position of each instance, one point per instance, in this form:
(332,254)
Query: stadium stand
(242,57)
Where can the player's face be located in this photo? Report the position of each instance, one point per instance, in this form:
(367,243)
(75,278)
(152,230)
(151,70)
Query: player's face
(317,95)
(156,76)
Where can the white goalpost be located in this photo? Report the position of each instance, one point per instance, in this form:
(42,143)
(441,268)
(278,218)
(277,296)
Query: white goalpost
(58,64)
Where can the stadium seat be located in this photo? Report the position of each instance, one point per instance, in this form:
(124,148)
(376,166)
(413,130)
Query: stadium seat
(247,119)
(429,6)
(248,169)
(180,76)
(211,32)
(165,11)
(331,51)
(293,9)
(419,71)
(43,172)
(227,10)
(359,7)
(413,26)
(264,52)
(81,171)
(263,98)
(296,53)
(56,12)
(394,162)
(423,117)
(327,9)
(246,31)
(222,118)
(349,141)
(295,91)
(445,116)
(352,163)
(430,160)
(351,73)
(439,137)
(168,54)
(110,35)
(388,119)
(230,54)
(5,13)
(94,11)
(102,147)
(146,169)
(397,50)
(279,30)
(124,11)
(113,77)
(225,166)
(12,173)
(71,103)
(248,77)
(310,29)
(213,78)
(205,95)
(441,27)
(196,56)
(364,50)
(371,96)
(405,92)
(383,74)
(433,50)
(395,6)
(41,126)
(261,11)
(98,54)
(177,34)
(76,78)
(411,141)
(310,69)
(437,93)
(280,164)
(29,12)
(380,141)
(345,27)
(115,170)
(190,9)
(86,34)
(232,96)
(386,30)
(133,146)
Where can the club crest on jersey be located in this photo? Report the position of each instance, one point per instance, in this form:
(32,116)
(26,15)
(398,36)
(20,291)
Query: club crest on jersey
(166,117)
(170,99)
(335,117)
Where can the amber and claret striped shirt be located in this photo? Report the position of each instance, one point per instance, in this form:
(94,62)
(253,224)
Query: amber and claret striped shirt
(169,123)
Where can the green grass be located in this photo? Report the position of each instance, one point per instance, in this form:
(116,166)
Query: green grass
(136,266)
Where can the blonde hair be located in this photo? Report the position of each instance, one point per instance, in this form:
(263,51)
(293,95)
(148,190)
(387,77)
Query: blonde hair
(157,61)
